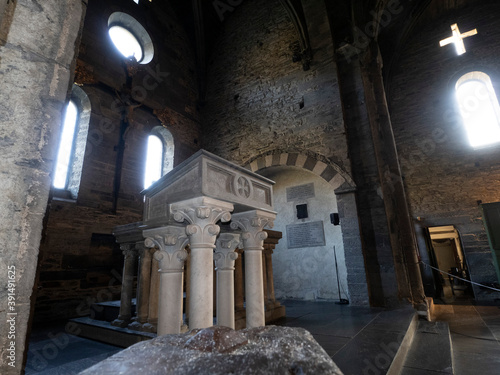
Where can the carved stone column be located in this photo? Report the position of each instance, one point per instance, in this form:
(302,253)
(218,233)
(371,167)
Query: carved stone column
(170,242)
(143,287)
(239,294)
(252,224)
(264,275)
(272,240)
(224,258)
(150,326)
(202,214)
(130,254)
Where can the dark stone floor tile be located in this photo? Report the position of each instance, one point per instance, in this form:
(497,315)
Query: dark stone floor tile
(331,344)
(419,371)
(466,345)
(467,363)
(369,352)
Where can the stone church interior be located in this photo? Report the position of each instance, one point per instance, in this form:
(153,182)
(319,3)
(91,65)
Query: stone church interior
(364,137)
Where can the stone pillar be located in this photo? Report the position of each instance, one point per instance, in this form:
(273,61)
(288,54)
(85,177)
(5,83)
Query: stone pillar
(357,281)
(30,126)
(224,258)
(252,224)
(239,294)
(143,288)
(154,287)
(401,234)
(201,214)
(170,242)
(268,253)
(264,276)
(130,254)
(187,271)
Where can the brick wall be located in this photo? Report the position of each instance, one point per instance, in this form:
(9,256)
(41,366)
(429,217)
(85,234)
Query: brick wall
(445,177)
(79,261)
(260,102)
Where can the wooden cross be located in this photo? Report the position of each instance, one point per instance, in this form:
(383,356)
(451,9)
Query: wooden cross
(457,39)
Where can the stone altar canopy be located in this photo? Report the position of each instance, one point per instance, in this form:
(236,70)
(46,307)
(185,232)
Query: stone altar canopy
(184,207)
(207,175)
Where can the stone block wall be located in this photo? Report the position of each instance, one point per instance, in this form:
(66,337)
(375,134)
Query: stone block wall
(445,177)
(37,58)
(79,262)
(259,101)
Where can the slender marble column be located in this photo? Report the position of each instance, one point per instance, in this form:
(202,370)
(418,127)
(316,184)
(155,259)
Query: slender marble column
(143,287)
(224,258)
(264,276)
(268,253)
(150,326)
(170,242)
(130,254)
(270,243)
(252,224)
(201,214)
(187,276)
(238,282)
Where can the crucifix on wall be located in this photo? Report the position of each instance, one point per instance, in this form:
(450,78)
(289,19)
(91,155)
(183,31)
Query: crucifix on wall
(457,39)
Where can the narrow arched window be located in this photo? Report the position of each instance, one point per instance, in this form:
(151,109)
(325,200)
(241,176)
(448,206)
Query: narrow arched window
(154,160)
(66,146)
(159,155)
(72,145)
(479,108)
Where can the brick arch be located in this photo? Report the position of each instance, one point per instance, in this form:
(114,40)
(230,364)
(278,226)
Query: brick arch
(330,172)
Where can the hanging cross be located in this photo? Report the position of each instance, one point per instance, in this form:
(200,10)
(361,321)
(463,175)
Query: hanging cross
(457,39)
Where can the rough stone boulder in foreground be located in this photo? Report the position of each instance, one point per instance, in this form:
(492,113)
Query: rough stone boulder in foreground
(220,350)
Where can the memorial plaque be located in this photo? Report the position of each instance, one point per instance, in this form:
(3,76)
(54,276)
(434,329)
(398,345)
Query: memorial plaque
(300,193)
(305,235)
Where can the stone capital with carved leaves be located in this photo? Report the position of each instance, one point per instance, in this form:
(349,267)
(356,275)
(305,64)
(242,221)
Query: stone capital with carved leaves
(225,254)
(252,223)
(170,242)
(201,215)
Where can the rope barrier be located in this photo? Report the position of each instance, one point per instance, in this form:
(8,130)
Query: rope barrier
(460,278)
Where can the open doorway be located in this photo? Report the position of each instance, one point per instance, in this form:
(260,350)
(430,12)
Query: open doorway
(447,255)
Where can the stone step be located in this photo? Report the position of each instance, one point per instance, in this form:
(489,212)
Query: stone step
(107,311)
(431,350)
(381,346)
(104,332)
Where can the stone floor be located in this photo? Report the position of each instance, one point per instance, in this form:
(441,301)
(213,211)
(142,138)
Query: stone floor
(344,331)
(475,337)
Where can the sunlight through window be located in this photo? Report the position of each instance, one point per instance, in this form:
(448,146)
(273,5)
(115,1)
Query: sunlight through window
(154,160)
(65,147)
(479,108)
(126,42)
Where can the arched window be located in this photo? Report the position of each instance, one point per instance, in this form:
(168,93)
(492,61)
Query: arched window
(159,155)
(479,108)
(154,161)
(69,162)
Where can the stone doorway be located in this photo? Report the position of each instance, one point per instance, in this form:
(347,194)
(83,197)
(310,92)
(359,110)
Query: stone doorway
(446,254)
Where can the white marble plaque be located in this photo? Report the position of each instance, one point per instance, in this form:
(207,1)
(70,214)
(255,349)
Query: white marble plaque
(300,192)
(305,235)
